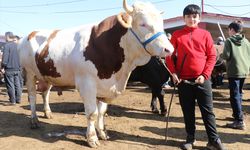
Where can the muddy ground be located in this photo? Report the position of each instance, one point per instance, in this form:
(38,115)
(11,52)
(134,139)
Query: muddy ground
(130,124)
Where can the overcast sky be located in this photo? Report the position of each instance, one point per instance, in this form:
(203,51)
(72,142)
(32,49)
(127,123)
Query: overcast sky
(24,16)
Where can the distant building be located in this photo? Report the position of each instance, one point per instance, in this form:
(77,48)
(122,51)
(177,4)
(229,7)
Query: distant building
(209,21)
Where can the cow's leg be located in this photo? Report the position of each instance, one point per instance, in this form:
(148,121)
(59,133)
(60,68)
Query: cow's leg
(91,111)
(160,96)
(214,79)
(102,108)
(87,91)
(154,102)
(31,87)
(45,95)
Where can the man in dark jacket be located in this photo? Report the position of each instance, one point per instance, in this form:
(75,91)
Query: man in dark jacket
(11,69)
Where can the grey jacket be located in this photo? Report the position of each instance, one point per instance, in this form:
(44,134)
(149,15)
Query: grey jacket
(10,60)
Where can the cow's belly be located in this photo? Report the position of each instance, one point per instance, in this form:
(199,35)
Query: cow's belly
(66,78)
(108,90)
(108,93)
(69,81)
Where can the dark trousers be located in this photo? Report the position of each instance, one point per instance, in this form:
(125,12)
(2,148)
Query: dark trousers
(235,86)
(13,85)
(203,94)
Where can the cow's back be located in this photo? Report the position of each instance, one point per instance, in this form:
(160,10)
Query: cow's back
(54,55)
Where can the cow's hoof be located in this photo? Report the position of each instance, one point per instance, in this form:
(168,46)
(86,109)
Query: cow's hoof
(155,111)
(164,112)
(93,143)
(103,135)
(34,122)
(48,114)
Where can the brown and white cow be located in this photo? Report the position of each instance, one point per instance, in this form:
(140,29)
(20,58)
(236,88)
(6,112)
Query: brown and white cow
(96,59)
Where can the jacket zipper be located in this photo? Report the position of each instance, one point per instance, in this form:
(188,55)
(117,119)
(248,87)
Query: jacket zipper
(191,39)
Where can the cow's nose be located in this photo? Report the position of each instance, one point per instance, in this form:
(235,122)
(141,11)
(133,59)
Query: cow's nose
(166,50)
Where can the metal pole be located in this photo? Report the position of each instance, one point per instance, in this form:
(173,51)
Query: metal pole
(169,108)
(172,96)
(202,6)
(221,32)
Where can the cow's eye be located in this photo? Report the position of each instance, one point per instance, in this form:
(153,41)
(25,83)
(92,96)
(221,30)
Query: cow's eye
(143,25)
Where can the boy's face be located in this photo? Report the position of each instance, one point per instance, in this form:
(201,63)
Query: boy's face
(192,20)
(231,32)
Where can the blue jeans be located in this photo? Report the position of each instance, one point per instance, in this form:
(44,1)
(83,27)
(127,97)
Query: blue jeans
(13,85)
(235,86)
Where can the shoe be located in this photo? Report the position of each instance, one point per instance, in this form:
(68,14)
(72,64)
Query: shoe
(12,103)
(190,142)
(215,145)
(188,146)
(18,102)
(237,125)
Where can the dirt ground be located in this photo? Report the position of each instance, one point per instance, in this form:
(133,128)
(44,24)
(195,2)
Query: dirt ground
(130,124)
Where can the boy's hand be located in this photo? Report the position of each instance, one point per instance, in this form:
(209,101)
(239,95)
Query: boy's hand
(176,80)
(200,79)
(2,71)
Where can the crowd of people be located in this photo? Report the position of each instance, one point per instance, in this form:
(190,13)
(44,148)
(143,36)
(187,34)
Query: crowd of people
(192,61)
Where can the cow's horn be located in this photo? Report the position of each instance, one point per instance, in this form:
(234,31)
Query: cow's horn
(127,8)
(125,20)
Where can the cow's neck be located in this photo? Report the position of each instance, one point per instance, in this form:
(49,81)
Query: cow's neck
(134,56)
(103,48)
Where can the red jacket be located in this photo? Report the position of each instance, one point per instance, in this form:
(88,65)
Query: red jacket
(197,45)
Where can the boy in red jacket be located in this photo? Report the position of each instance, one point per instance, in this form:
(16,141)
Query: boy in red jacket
(193,61)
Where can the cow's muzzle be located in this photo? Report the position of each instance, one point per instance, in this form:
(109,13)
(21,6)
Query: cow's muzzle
(167,50)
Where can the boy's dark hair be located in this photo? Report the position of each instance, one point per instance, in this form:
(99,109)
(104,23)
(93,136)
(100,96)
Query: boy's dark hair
(192,9)
(236,26)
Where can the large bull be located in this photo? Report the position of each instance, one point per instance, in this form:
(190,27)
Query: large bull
(96,59)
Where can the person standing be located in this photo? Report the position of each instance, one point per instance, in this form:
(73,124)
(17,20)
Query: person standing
(11,68)
(236,53)
(192,61)
(220,65)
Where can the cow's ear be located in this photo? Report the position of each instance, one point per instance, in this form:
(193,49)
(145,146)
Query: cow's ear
(125,19)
